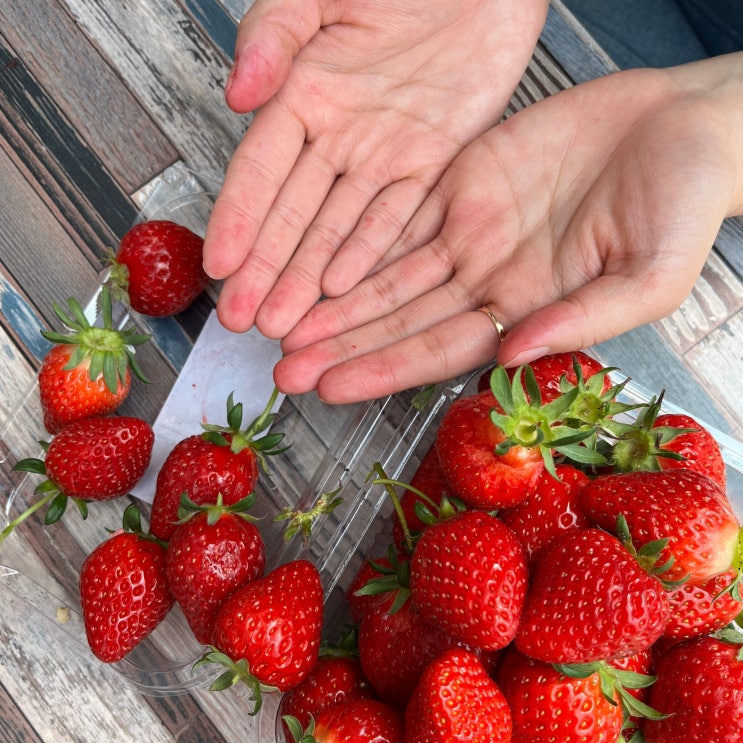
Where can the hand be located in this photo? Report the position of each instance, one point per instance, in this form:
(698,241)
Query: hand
(580,217)
(364,106)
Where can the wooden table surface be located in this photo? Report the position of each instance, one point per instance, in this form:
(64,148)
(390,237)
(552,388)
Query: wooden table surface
(97,99)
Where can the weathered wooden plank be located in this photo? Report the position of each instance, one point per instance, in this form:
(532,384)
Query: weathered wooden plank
(177,74)
(54,50)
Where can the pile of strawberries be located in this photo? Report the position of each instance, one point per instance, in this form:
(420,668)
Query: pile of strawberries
(562,567)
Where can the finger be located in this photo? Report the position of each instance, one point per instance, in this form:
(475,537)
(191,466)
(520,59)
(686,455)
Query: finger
(374,298)
(299,286)
(269,36)
(298,201)
(453,346)
(256,173)
(604,308)
(376,232)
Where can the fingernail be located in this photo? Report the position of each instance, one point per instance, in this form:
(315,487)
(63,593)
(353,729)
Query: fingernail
(231,77)
(526,356)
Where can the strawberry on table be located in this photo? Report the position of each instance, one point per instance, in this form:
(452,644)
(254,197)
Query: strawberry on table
(268,631)
(158,268)
(124,590)
(456,700)
(700,688)
(93,459)
(214,551)
(468,574)
(589,599)
(681,505)
(222,461)
(87,372)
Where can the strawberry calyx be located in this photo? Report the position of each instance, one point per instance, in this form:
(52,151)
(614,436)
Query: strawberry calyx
(187,509)
(236,672)
(638,446)
(109,352)
(614,683)
(393,578)
(732,634)
(552,428)
(253,437)
(303,521)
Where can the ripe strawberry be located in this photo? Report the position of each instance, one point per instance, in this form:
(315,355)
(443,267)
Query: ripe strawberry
(123,590)
(589,599)
(700,688)
(363,597)
(668,441)
(268,631)
(224,460)
(212,553)
(353,720)
(86,372)
(549,371)
(158,268)
(702,608)
(456,700)
(88,460)
(549,706)
(551,507)
(468,574)
(334,679)
(682,506)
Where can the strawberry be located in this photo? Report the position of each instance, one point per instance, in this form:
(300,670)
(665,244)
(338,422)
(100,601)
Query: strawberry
(334,679)
(700,688)
(668,441)
(681,505)
(468,575)
(158,268)
(362,597)
(124,590)
(551,507)
(93,459)
(456,700)
(702,608)
(559,704)
(223,460)
(354,720)
(215,550)
(267,632)
(589,600)
(550,370)
(86,372)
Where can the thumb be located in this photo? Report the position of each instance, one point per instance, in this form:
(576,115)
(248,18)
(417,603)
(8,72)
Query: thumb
(269,36)
(602,309)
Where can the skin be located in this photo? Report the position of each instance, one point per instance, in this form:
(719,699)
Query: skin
(363,106)
(583,216)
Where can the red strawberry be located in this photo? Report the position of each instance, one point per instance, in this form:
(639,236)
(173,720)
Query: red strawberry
(158,268)
(268,631)
(456,700)
(333,680)
(702,608)
(700,688)
(224,460)
(668,441)
(358,720)
(89,460)
(87,372)
(124,591)
(549,371)
(682,506)
(360,599)
(590,600)
(548,706)
(211,554)
(468,575)
(551,507)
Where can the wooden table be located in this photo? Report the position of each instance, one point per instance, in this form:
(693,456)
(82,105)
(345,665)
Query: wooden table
(98,98)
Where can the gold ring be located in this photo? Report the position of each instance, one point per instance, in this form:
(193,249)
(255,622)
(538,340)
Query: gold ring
(496,323)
